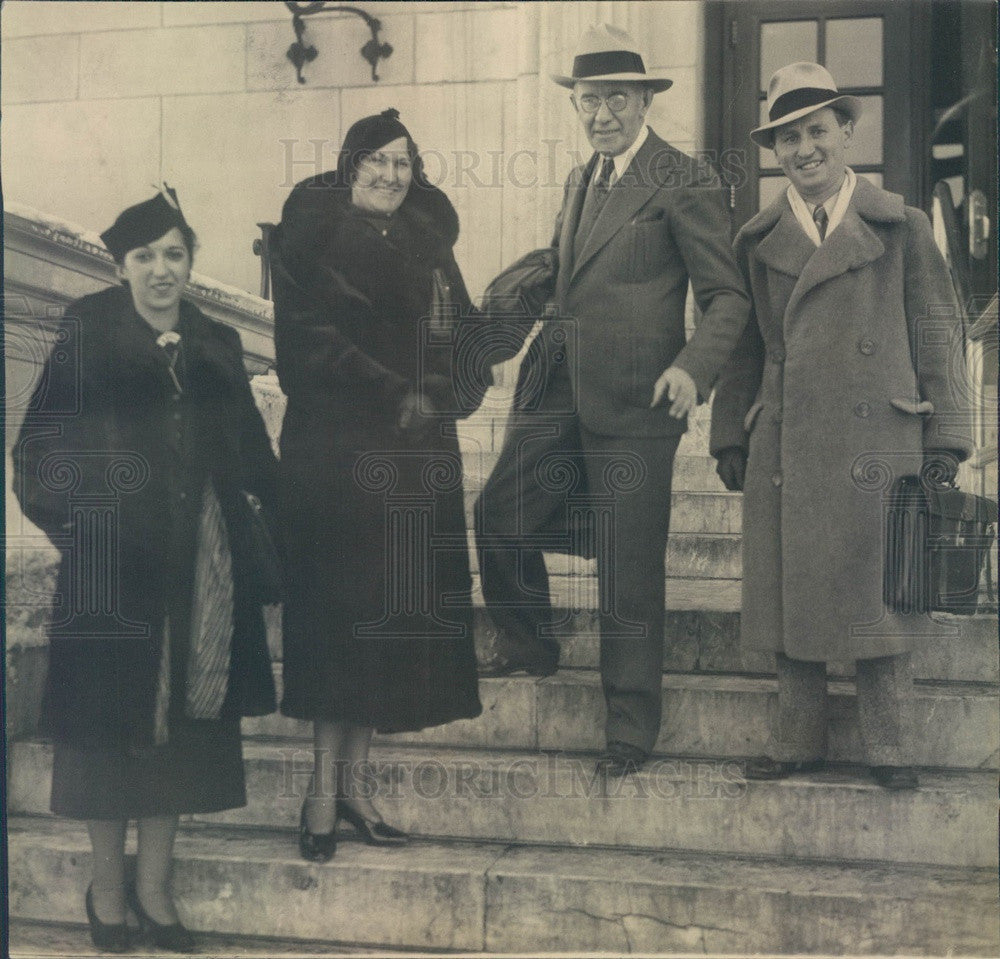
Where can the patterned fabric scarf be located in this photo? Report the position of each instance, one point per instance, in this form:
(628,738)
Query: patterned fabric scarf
(211,624)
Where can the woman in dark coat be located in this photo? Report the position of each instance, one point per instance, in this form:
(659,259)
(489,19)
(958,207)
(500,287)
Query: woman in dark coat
(133,462)
(369,308)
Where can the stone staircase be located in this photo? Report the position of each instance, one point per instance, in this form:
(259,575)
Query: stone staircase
(522,849)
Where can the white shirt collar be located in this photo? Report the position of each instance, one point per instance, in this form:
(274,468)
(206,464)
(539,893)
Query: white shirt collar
(623,160)
(835,206)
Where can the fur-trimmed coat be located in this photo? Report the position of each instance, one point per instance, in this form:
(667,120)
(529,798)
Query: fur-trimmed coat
(354,334)
(851,367)
(101,439)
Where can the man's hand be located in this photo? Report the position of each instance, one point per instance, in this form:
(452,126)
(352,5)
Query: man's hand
(680,390)
(731,466)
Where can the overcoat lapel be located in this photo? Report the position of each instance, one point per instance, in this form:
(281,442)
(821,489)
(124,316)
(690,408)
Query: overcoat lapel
(626,197)
(786,249)
(852,245)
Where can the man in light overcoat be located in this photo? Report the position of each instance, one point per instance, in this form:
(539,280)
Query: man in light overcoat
(849,376)
(605,391)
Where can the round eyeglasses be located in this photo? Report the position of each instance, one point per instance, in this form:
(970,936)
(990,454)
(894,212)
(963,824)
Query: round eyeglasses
(591,103)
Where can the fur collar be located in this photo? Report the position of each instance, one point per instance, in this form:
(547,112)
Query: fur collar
(426,211)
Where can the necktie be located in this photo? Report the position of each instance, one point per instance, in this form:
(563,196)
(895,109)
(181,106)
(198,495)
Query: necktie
(821,220)
(603,182)
(593,203)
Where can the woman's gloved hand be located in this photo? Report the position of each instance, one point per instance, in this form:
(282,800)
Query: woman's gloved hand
(731,465)
(413,423)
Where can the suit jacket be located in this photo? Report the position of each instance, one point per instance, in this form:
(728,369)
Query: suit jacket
(621,303)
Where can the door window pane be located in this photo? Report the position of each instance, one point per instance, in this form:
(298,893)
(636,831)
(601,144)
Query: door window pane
(867,144)
(770,188)
(784,43)
(854,51)
(766,156)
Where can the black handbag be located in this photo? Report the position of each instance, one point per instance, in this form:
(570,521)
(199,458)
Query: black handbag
(255,544)
(937,544)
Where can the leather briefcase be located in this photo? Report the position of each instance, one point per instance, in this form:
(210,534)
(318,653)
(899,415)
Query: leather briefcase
(938,542)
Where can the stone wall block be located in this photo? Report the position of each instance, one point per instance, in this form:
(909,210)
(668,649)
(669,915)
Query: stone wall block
(40,68)
(145,62)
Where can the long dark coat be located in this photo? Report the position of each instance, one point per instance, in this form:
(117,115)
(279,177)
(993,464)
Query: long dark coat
(851,367)
(97,439)
(377,618)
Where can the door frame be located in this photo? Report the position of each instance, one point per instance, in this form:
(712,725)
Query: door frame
(733,54)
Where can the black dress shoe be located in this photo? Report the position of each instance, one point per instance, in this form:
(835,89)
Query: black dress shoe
(621,759)
(171,936)
(895,777)
(107,937)
(375,832)
(509,656)
(764,767)
(316,846)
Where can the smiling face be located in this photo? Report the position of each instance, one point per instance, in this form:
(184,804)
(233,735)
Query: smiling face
(383,178)
(811,152)
(611,132)
(156,274)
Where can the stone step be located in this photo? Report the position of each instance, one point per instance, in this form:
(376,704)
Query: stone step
(555,799)
(701,556)
(707,640)
(694,470)
(703,715)
(690,512)
(578,593)
(241,883)
(42,939)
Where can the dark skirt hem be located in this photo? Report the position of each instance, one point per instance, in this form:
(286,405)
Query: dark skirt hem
(300,712)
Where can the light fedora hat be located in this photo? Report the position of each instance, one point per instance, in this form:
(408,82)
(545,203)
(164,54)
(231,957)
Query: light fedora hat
(606,52)
(797,90)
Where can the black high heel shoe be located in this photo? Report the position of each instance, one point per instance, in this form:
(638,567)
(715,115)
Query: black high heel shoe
(171,936)
(373,832)
(108,937)
(316,846)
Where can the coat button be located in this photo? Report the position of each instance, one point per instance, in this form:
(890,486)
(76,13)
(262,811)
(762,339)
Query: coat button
(777,479)
(183,495)
(777,355)
(864,410)
(177,416)
(867,346)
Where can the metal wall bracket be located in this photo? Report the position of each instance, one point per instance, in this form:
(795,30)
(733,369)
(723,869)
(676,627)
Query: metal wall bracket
(301,53)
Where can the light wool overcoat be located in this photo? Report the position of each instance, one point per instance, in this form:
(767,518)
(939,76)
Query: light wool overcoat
(850,367)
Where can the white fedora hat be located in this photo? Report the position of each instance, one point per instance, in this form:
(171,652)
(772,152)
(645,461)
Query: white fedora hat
(606,52)
(797,90)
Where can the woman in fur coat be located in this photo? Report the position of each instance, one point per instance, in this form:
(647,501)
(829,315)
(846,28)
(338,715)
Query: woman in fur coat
(371,322)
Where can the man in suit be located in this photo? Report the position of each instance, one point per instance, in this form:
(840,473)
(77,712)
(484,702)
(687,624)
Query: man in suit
(604,394)
(845,380)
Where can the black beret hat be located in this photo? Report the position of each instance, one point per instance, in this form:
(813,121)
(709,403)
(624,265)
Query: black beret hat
(144,223)
(368,135)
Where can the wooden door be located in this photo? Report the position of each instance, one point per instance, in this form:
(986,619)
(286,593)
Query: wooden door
(868,46)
